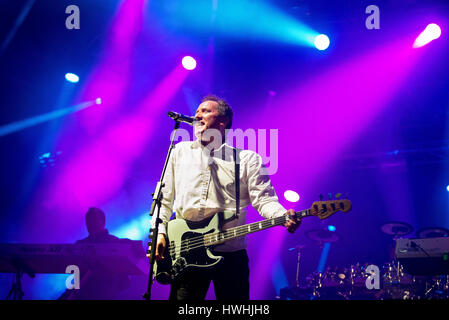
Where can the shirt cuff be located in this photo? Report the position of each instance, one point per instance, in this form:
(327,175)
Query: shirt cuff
(273,210)
(162,227)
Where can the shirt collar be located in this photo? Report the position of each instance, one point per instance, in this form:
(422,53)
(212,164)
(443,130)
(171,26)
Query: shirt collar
(197,144)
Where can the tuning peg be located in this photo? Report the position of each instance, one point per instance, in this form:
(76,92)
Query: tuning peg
(329,195)
(321,197)
(338,195)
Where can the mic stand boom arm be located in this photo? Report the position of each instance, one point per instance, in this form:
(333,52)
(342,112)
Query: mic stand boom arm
(157,201)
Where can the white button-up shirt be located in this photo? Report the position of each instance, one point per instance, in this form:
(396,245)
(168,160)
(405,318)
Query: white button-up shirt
(199,183)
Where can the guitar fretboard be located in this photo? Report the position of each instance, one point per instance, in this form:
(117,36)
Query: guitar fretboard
(232,233)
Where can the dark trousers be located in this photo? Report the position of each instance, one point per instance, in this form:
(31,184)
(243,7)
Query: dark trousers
(230,278)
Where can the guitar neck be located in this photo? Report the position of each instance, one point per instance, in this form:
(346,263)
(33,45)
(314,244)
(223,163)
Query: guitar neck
(240,231)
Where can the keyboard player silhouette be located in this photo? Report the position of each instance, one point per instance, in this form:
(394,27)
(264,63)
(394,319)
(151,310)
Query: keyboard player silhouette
(98,282)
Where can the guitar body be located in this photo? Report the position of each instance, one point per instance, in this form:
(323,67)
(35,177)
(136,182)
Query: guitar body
(186,252)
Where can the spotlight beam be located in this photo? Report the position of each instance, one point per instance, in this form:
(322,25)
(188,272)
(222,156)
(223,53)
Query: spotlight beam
(323,257)
(243,18)
(26,123)
(113,151)
(334,97)
(23,14)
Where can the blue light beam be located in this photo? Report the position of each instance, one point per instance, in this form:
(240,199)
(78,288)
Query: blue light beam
(279,277)
(242,18)
(323,257)
(26,123)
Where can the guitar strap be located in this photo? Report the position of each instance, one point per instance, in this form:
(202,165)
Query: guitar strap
(237,182)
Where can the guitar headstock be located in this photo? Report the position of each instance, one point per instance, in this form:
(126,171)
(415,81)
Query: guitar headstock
(324,209)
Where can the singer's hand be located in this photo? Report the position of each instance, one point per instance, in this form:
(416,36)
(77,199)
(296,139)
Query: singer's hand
(160,247)
(292,224)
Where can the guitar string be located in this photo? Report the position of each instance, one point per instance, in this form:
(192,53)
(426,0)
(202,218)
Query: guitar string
(244,228)
(200,240)
(239,229)
(199,244)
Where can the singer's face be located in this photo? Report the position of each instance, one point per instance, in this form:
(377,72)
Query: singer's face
(207,117)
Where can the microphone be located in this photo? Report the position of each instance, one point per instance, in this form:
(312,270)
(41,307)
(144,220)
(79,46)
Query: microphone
(181,118)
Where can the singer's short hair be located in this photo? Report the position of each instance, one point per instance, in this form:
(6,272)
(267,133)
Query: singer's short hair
(223,108)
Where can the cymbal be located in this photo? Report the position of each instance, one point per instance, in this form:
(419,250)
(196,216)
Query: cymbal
(322,235)
(396,228)
(432,233)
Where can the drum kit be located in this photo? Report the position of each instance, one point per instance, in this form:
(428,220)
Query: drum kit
(350,283)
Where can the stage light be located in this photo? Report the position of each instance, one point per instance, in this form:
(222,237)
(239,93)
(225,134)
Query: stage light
(430,33)
(331,228)
(48,159)
(131,230)
(71,77)
(447,188)
(291,196)
(189,63)
(321,42)
(133,233)
(98,101)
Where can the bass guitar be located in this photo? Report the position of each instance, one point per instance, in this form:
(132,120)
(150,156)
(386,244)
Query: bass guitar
(189,242)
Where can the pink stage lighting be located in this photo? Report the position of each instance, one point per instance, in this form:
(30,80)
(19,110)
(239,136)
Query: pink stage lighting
(432,32)
(188,63)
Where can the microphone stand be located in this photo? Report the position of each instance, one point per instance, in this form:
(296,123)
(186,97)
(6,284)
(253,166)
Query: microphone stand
(297,268)
(157,202)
